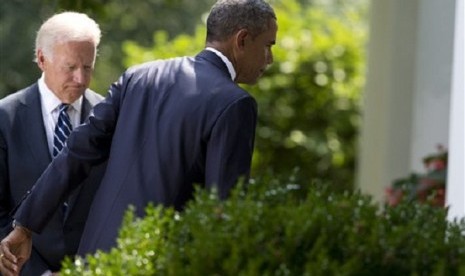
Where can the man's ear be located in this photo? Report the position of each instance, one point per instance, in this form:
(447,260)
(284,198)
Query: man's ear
(40,59)
(241,37)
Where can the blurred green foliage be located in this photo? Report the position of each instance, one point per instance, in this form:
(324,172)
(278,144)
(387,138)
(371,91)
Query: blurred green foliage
(280,227)
(308,100)
(19,21)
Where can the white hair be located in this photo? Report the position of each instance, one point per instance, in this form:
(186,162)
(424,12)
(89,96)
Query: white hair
(65,27)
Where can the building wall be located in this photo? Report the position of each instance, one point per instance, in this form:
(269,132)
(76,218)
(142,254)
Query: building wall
(432,78)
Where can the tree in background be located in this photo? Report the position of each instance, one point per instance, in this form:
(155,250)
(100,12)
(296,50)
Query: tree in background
(19,22)
(308,100)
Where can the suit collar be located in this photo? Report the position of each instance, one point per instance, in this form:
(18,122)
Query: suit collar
(226,61)
(215,59)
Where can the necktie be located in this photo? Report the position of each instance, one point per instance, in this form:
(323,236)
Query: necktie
(62,130)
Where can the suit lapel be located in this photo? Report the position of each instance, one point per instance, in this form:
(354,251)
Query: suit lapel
(85,109)
(32,125)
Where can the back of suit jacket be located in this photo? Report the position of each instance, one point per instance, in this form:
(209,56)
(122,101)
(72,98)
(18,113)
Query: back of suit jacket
(24,155)
(164,126)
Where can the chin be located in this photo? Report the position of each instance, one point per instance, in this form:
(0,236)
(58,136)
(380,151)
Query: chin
(79,90)
(248,82)
(253,82)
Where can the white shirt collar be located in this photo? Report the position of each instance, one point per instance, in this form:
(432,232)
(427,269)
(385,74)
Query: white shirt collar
(50,101)
(226,61)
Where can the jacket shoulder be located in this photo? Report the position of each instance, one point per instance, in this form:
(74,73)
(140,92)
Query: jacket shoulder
(11,101)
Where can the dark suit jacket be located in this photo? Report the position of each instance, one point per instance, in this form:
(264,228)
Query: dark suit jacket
(165,126)
(24,155)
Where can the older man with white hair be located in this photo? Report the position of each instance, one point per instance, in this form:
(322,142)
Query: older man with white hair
(34,125)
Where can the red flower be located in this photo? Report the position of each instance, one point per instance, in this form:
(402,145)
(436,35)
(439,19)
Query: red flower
(435,165)
(426,188)
(393,196)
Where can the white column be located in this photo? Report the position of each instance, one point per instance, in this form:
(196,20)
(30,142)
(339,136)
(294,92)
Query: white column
(407,95)
(384,147)
(455,197)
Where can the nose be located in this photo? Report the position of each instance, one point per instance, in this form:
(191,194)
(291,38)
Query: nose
(79,76)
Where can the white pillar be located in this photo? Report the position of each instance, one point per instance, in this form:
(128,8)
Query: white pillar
(407,95)
(455,197)
(384,148)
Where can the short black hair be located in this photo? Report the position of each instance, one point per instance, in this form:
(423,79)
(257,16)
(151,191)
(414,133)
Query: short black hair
(228,16)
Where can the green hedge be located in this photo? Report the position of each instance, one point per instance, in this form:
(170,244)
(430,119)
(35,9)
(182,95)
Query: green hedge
(277,227)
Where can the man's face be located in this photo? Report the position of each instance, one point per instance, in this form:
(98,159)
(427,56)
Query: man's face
(257,55)
(69,71)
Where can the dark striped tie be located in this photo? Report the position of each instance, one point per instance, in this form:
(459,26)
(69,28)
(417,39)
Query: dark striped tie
(62,130)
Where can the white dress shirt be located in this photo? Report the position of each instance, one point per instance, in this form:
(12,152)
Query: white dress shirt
(50,111)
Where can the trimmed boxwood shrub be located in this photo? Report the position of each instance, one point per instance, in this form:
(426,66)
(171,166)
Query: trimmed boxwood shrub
(277,227)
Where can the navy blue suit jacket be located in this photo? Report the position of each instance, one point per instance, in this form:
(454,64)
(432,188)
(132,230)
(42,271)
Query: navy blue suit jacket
(165,126)
(24,155)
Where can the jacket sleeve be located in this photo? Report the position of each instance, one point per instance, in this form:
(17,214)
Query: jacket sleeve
(5,205)
(87,146)
(230,147)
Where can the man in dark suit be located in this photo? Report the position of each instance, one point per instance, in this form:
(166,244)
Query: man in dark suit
(164,126)
(66,47)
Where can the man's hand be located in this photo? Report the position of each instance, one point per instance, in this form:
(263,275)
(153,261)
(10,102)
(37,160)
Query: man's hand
(15,250)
